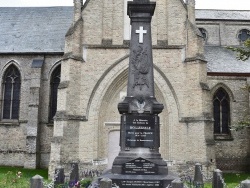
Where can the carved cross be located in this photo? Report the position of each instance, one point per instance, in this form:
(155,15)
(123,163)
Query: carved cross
(141,32)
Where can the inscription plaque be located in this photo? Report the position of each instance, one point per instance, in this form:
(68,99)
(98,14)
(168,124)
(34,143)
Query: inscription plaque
(138,183)
(140,131)
(139,166)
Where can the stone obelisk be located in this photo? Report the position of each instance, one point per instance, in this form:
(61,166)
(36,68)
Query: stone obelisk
(139,163)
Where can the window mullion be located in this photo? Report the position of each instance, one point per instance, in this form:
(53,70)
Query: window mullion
(3,99)
(220,117)
(11,98)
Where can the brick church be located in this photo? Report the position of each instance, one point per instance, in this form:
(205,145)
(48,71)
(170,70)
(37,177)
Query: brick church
(63,71)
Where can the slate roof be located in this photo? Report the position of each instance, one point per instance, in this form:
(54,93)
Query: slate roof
(34,29)
(43,29)
(221,59)
(223,14)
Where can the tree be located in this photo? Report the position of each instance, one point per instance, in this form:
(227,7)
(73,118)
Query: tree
(243,53)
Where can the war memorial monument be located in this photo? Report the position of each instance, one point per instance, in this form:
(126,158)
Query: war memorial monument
(139,163)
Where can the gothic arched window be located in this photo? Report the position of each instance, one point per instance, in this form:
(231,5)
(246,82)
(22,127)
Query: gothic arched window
(243,35)
(54,83)
(221,104)
(11,93)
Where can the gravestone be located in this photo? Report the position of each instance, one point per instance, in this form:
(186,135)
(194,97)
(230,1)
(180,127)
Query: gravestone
(139,163)
(59,176)
(36,182)
(74,175)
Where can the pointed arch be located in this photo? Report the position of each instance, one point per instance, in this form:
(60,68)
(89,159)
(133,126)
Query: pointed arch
(226,88)
(9,63)
(11,88)
(221,111)
(55,79)
(53,67)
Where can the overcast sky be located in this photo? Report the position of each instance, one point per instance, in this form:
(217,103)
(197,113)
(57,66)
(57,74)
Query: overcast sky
(200,4)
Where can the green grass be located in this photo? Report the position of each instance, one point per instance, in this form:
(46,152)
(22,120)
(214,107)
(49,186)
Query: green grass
(232,179)
(10,179)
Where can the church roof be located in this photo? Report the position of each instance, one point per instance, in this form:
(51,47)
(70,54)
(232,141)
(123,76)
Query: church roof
(223,60)
(34,29)
(222,14)
(43,29)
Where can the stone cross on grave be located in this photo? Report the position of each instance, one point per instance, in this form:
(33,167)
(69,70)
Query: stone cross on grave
(141,32)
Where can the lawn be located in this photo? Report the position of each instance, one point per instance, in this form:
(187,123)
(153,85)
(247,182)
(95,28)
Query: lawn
(10,177)
(232,180)
(14,177)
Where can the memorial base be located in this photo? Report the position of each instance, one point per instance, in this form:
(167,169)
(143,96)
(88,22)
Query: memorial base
(140,181)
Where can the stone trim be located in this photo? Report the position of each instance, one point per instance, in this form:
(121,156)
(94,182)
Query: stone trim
(33,53)
(73,27)
(223,137)
(204,86)
(125,45)
(101,79)
(67,56)
(235,75)
(9,122)
(50,124)
(162,42)
(195,119)
(225,87)
(199,57)
(63,85)
(23,121)
(63,116)
(11,151)
(107,42)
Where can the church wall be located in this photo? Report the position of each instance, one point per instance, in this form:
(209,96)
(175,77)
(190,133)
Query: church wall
(177,17)
(234,149)
(222,33)
(213,31)
(46,127)
(93,22)
(108,23)
(14,134)
(104,79)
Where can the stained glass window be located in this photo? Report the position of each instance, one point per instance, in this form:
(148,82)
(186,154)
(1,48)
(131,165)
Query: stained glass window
(221,104)
(54,83)
(243,35)
(11,93)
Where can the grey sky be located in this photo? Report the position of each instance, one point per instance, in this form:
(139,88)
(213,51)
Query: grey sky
(200,4)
